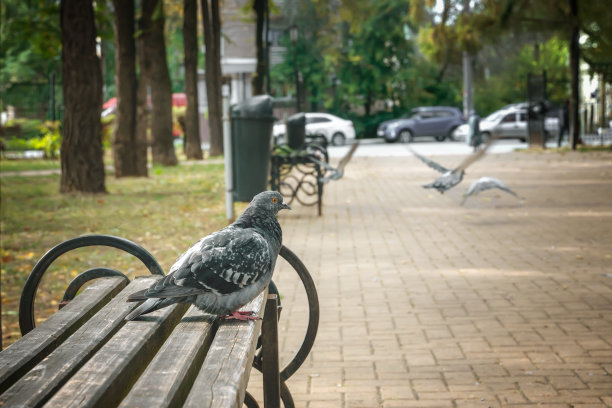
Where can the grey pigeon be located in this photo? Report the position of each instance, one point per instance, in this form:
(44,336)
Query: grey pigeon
(337,173)
(226,269)
(451,178)
(486,183)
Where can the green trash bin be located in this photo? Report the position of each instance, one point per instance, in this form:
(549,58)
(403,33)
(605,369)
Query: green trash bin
(296,130)
(251,123)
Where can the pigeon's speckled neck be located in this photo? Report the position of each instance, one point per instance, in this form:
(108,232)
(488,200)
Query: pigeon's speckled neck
(265,221)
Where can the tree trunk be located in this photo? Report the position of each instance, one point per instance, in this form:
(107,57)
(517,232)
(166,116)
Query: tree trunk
(161,89)
(259,7)
(142,92)
(574,51)
(81,149)
(212,39)
(127,151)
(193,146)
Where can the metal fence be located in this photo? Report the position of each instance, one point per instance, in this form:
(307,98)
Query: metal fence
(33,100)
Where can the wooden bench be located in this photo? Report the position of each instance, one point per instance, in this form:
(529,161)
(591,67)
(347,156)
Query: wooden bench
(87,354)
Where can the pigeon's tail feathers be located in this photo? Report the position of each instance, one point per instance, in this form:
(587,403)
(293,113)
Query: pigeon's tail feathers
(149,305)
(137,296)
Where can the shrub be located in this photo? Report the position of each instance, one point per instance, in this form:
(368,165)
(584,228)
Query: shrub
(50,141)
(47,138)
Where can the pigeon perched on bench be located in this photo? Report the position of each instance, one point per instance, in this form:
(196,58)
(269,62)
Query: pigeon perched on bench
(486,183)
(451,177)
(226,269)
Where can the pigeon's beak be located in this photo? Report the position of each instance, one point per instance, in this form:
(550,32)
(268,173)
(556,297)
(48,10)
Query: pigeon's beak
(285,206)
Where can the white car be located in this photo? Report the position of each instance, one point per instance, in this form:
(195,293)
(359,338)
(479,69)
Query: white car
(507,123)
(336,130)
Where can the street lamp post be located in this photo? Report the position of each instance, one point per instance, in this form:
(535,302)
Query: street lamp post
(293,35)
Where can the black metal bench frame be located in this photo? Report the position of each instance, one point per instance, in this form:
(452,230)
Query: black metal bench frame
(297,176)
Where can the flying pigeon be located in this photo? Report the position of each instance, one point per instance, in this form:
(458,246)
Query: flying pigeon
(451,178)
(337,173)
(226,269)
(486,183)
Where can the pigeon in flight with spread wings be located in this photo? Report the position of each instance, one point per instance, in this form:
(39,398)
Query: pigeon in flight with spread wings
(486,183)
(226,269)
(336,173)
(451,177)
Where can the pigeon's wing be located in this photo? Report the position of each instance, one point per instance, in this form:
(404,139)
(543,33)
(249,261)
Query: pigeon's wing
(322,164)
(477,155)
(486,183)
(335,174)
(430,163)
(347,157)
(223,263)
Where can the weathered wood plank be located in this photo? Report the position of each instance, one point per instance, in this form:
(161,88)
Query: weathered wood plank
(168,378)
(108,376)
(17,359)
(46,377)
(224,376)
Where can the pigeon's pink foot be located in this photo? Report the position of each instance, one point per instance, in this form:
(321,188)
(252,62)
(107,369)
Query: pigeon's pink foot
(241,315)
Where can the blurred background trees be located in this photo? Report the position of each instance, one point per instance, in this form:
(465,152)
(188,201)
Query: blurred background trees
(367,61)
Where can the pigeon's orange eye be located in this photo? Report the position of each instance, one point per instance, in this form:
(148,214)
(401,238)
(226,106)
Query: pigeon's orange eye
(275,200)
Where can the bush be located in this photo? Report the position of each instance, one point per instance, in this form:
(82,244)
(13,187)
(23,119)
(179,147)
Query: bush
(108,123)
(29,128)
(50,141)
(47,138)
(15,143)
(366,126)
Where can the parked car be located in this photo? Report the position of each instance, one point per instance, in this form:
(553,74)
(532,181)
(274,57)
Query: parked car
(437,121)
(509,122)
(336,130)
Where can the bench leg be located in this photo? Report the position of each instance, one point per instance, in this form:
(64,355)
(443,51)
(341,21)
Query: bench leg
(270,364)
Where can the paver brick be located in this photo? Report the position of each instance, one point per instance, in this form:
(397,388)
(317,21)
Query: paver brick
(426,303)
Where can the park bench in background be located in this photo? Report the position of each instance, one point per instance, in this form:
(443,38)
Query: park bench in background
(302,173)
(86,354)
(296,176)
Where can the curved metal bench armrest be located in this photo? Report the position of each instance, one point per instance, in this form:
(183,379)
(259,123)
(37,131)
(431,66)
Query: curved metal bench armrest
(26,303)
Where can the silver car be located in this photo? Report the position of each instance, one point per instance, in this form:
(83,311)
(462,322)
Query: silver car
(507,123)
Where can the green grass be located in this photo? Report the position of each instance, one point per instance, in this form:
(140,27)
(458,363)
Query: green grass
(28,165)
(165,213)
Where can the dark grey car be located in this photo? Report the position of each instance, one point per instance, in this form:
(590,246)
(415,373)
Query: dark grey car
(436,121)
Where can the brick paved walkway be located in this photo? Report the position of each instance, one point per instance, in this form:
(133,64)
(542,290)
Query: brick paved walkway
(425,303)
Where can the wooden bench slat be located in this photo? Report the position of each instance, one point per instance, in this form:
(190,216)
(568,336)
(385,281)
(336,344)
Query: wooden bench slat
(21,356)
(168,378)
(46,377)
(107,377)
(228,361)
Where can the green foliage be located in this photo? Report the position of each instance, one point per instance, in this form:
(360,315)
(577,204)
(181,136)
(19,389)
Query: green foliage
(45,136)
(31,41)
(366,126)
(28,128)
(352,56)
(510,85)
(376,59)
(15,143)
(49,141)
